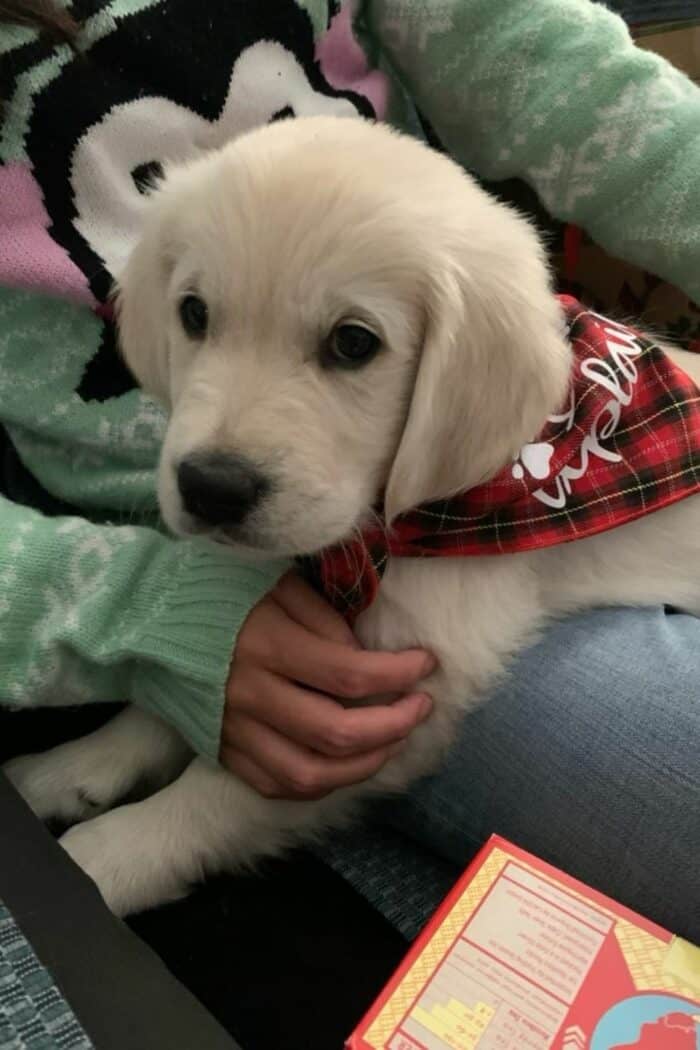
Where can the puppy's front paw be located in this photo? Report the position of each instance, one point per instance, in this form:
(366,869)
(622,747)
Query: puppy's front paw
(61,784)
(125,861)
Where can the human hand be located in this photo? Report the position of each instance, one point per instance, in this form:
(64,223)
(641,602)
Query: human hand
(285,733)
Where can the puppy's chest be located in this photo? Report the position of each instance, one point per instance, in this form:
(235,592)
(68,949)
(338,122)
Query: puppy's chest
(399,617)
(393,623)
(471,613)
(421,604)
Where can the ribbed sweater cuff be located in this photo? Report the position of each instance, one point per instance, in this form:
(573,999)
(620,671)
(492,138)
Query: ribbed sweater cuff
(186,648)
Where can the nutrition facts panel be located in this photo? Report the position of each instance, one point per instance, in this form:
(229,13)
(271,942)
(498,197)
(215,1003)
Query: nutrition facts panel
(512,973)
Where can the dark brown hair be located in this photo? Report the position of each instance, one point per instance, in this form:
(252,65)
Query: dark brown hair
(54,22)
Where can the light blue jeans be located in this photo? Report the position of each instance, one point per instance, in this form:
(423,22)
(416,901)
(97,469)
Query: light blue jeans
(588,755)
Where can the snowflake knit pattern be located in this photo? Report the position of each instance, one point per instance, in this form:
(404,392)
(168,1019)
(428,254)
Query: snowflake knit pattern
(102,605)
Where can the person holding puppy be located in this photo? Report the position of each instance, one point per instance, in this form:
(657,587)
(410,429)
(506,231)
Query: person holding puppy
(590,740)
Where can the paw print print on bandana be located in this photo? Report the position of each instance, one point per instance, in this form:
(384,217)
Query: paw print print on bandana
(534,458)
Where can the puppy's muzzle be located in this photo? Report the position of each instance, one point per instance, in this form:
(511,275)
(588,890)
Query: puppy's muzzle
(219,490)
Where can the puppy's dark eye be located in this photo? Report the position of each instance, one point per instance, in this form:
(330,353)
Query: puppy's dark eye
(194,316)
(350,346)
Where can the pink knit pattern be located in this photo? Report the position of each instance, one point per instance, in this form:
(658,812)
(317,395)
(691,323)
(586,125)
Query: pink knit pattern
(29,257)
(344,65)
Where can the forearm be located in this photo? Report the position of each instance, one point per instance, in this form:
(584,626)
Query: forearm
(557,94)
(98,613)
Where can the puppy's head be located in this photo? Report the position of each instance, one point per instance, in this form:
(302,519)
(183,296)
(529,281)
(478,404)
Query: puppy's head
(334,315)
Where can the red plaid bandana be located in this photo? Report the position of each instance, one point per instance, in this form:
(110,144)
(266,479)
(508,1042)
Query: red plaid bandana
(626,443)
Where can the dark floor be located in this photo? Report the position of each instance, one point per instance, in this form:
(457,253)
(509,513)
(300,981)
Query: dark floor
(287,959)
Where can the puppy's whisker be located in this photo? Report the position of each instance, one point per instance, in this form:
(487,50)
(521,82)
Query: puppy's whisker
(359,566)
(381,524)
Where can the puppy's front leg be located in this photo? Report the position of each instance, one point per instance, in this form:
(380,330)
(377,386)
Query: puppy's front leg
(150,852)
(84,777)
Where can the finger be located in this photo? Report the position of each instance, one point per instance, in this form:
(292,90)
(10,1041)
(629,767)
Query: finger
(307,608)
(320,723)
(301,772)
(250,773)
(338,670)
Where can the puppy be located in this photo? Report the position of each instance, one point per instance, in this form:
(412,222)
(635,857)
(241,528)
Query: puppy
(340,319)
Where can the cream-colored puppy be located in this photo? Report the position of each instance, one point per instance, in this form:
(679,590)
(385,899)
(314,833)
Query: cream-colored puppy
(331,311)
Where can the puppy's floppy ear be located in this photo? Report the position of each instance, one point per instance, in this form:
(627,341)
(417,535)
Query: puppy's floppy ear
(140,299)
(494,364)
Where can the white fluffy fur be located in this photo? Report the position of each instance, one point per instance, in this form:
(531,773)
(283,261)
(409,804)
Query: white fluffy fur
(286,232)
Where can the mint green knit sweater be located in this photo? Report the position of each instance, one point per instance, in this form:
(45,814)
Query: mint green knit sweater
(101,605)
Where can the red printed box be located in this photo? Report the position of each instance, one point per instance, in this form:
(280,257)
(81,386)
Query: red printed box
(522,957)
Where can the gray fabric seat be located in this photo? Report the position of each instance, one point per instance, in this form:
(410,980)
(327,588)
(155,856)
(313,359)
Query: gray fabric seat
(86,970)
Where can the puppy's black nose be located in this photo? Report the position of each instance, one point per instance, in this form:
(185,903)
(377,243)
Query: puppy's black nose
(219,489)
